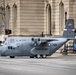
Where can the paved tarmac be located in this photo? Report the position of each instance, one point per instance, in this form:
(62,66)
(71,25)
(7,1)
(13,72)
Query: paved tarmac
(57,64)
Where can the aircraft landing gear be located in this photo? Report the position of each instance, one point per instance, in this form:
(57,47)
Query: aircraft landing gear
(44,56)
(65,51)
(12,56)
(31,56)
(40,56)
(37,56)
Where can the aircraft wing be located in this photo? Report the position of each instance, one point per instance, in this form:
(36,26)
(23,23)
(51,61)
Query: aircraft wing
(40,41)
(40,45)
(44,41)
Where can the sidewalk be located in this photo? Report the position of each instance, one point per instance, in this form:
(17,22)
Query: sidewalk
(56,54)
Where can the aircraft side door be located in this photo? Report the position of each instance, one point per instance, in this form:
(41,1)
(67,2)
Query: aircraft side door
(25,49)
(19,49)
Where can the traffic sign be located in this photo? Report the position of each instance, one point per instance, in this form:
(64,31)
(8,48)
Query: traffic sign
(2,25)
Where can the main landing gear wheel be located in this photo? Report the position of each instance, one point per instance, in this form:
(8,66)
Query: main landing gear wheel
(12,56)
(44,56)
(37,56)
(40,56)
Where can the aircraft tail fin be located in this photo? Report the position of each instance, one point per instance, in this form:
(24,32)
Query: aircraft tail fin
(69,31)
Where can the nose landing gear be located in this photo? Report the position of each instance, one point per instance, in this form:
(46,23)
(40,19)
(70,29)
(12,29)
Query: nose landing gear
(12,56)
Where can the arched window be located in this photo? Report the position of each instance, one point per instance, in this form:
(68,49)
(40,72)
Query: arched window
(1,19)
(14,17)
(61,17)
(7,16)
(49,19)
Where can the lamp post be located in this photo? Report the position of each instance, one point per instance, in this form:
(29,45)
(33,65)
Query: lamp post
(3,15)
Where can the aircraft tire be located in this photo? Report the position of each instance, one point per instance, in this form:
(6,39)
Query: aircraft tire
(44,56)
(12,56)
(41,56)
(31,56)
(37,56)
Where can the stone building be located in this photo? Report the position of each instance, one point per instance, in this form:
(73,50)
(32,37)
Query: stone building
(32,17)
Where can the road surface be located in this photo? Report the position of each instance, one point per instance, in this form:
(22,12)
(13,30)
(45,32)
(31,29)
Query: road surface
(54,65)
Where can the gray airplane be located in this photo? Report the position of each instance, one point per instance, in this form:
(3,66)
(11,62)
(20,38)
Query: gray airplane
(37,46)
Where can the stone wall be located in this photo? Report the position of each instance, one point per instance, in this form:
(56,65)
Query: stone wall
(32,17)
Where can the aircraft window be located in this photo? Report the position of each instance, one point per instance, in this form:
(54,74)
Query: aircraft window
(9,47)
(12,40)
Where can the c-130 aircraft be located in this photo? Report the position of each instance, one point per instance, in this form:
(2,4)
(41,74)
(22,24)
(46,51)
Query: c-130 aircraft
(37,46)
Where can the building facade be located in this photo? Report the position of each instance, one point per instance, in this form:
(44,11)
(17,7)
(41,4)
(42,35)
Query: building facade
(32,17)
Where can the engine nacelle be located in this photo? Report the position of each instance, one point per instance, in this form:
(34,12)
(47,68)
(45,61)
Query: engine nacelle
(36,41)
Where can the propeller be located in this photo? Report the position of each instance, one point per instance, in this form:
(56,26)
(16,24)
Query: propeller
(36,41)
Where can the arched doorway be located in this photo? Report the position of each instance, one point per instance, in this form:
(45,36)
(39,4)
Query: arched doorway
(14,18)
(7,16)
(1,19)
(49,19)
(61,17)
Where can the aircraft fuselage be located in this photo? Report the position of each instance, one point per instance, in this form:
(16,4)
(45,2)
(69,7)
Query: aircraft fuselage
(25,46)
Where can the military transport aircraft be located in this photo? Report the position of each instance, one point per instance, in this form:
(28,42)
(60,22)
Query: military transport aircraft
(37,46)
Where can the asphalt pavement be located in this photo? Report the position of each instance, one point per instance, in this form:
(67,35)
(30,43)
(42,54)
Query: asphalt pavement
(56,64)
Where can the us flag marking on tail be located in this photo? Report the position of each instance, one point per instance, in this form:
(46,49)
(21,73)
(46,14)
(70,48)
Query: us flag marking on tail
(69,24)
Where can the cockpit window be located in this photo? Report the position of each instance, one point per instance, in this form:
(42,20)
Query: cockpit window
(12,41)
(9,41)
